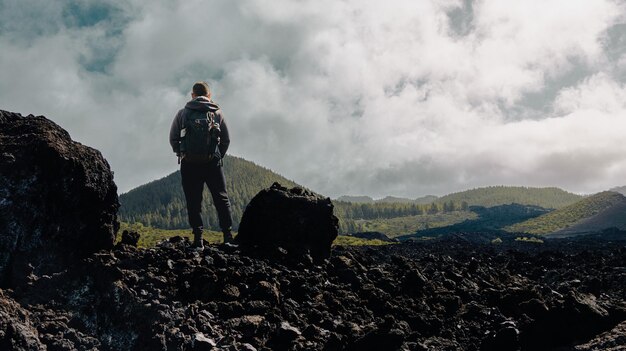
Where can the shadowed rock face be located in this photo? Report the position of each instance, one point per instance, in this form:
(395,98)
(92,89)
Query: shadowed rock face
(58,200)
(294,219)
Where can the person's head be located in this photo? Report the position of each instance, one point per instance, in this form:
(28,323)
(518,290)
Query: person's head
(200,89)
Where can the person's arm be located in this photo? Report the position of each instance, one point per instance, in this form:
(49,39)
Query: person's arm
(224,136)
(175,132)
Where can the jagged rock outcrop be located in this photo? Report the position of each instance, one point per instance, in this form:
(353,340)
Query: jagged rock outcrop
(294,219)
(58,200)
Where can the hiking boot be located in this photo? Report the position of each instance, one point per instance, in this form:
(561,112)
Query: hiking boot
(228,237)
(197,239)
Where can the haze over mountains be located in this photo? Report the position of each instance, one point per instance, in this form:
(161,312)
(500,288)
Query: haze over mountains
(487,196)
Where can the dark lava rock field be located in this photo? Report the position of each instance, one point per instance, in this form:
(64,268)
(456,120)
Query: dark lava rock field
(447,294)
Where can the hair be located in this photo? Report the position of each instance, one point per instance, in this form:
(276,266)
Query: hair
(201,89)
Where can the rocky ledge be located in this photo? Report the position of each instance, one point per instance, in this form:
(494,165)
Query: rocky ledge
(440,295)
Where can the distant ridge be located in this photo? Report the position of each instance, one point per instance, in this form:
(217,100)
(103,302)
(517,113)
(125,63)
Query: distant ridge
(356,199)
(393,199)
(491,196)
(592,214)
(388,199)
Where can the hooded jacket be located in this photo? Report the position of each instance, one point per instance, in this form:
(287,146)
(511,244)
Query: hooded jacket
(199,105)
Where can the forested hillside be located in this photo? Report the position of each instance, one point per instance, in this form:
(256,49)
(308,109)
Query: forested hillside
(503,195)
(359,217)
(487,196)
(161,203)
(573,214)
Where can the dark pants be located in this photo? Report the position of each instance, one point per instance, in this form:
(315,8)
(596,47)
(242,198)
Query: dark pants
(194,176)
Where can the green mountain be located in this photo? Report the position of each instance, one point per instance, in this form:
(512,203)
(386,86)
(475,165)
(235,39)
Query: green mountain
(161,203)
(505,195)
(487,197)
(591,214)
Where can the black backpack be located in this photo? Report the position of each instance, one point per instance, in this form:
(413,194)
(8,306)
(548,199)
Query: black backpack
(200,137)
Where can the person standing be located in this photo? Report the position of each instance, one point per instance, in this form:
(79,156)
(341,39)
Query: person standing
(199,136)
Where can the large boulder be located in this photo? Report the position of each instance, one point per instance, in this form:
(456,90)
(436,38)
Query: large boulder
(58,200)
(295,219)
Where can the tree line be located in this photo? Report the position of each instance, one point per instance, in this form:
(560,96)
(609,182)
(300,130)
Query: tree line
(380,210)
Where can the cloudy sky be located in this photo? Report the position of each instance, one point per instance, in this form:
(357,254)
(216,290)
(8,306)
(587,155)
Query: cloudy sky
(401,97)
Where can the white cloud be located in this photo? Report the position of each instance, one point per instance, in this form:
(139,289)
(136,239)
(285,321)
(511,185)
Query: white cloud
(598,92)
(344,97)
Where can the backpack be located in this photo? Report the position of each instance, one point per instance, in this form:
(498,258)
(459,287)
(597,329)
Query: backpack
(200,138)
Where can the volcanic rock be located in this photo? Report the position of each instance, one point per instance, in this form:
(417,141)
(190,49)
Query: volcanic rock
(613,340)
(130,238)
(170,298)
(16,329)
(202,343)
(294,219)
(58,200)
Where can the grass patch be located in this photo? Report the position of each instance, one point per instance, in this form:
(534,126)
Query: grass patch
(149,236)
(345,240)
(529,240)
(393,227)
